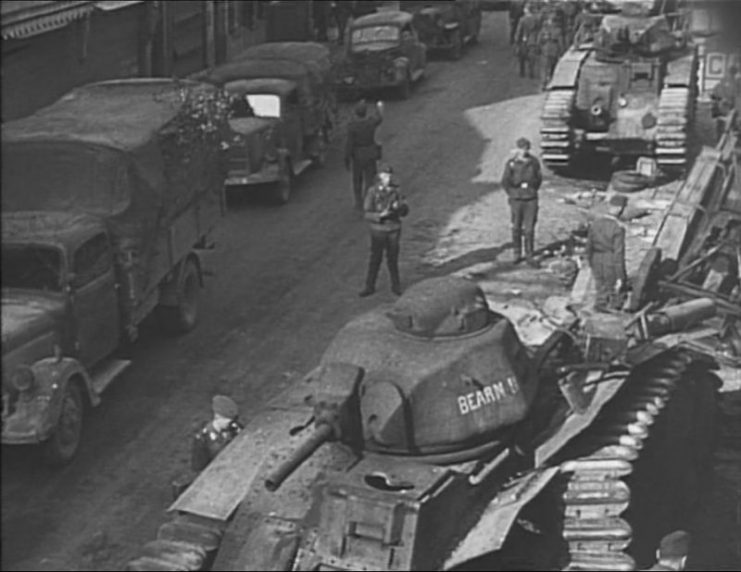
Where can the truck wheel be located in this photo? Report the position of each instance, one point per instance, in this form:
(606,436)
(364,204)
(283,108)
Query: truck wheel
(456,49)
(64,442)
(284,187)
(182,318)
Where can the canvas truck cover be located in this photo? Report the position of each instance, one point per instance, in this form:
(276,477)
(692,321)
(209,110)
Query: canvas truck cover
(103,150)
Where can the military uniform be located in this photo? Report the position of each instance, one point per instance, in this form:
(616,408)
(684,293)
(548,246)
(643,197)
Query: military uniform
(209,442)
(526,40)
(521,180)
(385,233)
(516,10)
(550,42)
(606,257)
(362,152)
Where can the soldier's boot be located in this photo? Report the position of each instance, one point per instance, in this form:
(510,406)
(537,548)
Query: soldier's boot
(395,281)
(529,250)
(517,247)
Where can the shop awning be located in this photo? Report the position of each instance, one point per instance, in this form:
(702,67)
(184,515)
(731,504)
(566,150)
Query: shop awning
(34,18)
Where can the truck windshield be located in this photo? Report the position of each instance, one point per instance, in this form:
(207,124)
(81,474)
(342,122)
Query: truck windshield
(374,37)
(264,105)
(32,268)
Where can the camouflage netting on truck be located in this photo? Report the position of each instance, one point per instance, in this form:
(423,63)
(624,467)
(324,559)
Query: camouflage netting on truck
(135,153)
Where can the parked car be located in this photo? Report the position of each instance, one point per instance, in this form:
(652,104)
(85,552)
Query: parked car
(383,51)
(107,217)
(283,113)
(446,25)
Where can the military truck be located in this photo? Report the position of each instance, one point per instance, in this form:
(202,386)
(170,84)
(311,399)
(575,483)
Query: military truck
(283,113)
(446,26)
(109,200)
(629,92)
(429,429)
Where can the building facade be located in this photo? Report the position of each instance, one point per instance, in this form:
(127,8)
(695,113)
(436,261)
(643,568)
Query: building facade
(49,48)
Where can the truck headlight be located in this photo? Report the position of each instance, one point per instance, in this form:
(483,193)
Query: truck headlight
(23,379)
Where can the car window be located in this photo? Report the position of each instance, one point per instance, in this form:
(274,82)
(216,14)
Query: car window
(92,260)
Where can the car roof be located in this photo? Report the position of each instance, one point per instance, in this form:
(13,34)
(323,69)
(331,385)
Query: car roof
(261,85)
(394,17)
(52,227)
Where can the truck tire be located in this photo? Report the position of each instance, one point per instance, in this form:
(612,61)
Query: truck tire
(182,318)
(61,447)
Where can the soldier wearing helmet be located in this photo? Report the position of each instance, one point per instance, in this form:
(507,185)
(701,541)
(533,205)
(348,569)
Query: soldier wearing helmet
(361,150)
(521,180)
(217,433)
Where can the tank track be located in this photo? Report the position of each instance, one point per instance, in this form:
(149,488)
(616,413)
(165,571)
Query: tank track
(676,111)
(609,495)
(556,135)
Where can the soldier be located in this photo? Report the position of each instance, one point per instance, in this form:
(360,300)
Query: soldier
(216,434)
(672,552)
(384,207)
(521,180)
(516,10)
(550,42)
(585,26)
(361,151)
(726,96)
(526,42)
(606,254)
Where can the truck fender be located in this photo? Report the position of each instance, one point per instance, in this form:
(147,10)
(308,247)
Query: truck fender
(53,375)
(170,287)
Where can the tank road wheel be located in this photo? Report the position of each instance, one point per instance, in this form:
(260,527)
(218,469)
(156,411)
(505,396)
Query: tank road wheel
(182,318)
(456,48)
(64,442)
(284,186)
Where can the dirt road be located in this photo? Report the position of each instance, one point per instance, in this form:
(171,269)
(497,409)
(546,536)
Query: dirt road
(287,279)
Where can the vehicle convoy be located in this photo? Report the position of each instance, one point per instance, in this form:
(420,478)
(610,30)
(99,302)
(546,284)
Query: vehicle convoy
(447,26)
(109,197)
(283,112)
(383,51)
(429,430)
(630,92)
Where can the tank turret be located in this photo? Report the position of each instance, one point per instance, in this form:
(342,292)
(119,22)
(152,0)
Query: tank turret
(628,34)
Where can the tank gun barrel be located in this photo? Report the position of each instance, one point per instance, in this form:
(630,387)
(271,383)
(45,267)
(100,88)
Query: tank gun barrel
(303,451)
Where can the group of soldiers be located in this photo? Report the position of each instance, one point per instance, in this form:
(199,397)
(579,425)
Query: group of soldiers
(544,30)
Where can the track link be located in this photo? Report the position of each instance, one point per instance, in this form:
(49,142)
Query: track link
(672,135)
(600,524)
(556,134)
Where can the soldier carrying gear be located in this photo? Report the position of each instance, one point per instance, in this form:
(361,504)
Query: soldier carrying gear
(361,151)
(521,180)
(672,552)
(526,42)
(217,433)
(550,43)
(606,254)
(516,10)
(384,207)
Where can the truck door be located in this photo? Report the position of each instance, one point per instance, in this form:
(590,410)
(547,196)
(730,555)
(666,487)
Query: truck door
(94,300)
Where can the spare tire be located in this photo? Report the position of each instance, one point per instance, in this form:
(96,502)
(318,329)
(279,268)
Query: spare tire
(629,181)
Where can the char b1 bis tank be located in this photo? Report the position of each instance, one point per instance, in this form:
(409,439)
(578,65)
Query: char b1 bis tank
(429,430)
(627,90)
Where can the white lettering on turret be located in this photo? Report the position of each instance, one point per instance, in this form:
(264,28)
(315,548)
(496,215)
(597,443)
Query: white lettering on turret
(491,394)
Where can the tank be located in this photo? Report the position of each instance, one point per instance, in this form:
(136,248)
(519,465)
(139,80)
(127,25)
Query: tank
(429,431)
(628,90)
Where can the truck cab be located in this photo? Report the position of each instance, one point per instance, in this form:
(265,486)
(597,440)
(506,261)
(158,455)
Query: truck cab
(59,298)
